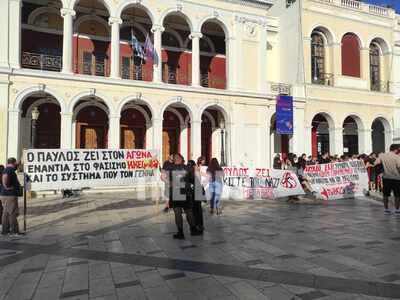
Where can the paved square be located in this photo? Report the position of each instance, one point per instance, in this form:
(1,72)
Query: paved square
(108,246)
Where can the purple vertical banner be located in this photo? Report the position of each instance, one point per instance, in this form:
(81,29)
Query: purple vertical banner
(284,114)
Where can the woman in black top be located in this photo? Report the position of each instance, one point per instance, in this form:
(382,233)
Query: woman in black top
(195,194)
(179,200)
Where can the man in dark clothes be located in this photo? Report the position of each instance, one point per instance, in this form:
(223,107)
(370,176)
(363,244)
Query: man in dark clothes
(195,193)
(166,169)
(9,197)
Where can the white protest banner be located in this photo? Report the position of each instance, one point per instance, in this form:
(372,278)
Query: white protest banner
(338,180)
(244,183)
(55,169)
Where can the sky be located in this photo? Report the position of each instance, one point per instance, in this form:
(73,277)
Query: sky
(395,3)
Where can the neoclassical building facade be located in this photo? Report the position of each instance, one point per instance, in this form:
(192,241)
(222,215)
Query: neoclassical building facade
(198,77)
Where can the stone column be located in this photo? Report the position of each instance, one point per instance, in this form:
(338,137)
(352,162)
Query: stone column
(149,136)
(308,140)
(336,60)
(299,135)
(15,33)
(13,133)
(364,63)
(66,131)
(195,141)
(365,141)
(4,94)
(115,51)
(262,63)
(68,16)
(157,137)
(4,46)
(231,76)
(336,141)
(195,37)
(114,132)
(157,63)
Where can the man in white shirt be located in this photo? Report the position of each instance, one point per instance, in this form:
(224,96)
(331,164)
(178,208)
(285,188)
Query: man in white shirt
(391,177)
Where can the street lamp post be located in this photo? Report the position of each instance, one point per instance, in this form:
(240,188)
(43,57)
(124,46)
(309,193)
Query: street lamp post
(222,127)
(35,117)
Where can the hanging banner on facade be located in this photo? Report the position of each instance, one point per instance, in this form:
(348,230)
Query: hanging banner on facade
(242,183)
(338,180)
(83,168)
(284,114)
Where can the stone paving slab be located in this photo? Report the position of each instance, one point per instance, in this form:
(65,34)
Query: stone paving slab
(110,246)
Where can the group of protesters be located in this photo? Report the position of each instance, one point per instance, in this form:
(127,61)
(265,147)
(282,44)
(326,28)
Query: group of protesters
(185,191)
(383,170)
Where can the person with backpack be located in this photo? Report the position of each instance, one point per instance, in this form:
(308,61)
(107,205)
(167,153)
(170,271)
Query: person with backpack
(11,190)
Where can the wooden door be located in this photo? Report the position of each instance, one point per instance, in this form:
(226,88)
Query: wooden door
(92,137)
(132,138)
(170,142)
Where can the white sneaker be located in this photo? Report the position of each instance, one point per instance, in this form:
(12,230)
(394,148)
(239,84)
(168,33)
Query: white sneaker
(387,212)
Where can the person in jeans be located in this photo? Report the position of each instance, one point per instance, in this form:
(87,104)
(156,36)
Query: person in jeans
(390,177)
(9,198)
(216,177)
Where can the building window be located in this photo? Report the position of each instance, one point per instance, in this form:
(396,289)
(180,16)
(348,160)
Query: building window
(87,63)
(351,55)
(100,64)
(126,67)
(317,58)
(374,67)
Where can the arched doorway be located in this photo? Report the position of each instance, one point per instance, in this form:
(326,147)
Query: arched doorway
(41,35)
(279,142)
(134,123)
(176,131)
(176,58)
(320,135)
(378,136)
(137,24)
(91,125)
(214,134)
(350,136)
(47,127)
(213,63)
(91,43)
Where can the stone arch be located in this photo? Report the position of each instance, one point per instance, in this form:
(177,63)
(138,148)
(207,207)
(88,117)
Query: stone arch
(175,11)
(136,25)
(326,32)
(176,35)
(85,18)
(178,115)
(221,106)
(211,118)
(135,100)
(138,108)
(327,116)
(37,89)
(383,45)
(83,105)
(207,39)
(80,96)
(109,7)
(356,118)
(143,4)
(180,101)
(218,20)
(42,10)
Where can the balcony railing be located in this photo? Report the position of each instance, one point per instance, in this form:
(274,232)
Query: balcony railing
(212,81)
(40,61)
(135,73)
(92,68)
(323,79)
(176,78)
(358,5)
(380,86)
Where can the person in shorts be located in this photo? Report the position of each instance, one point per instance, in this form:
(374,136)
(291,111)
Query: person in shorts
(390,177)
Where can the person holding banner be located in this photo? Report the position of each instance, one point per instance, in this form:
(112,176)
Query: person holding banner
(196,194)
(216,178)
(11,190)
(390,177)
(179,199)
(166,178)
